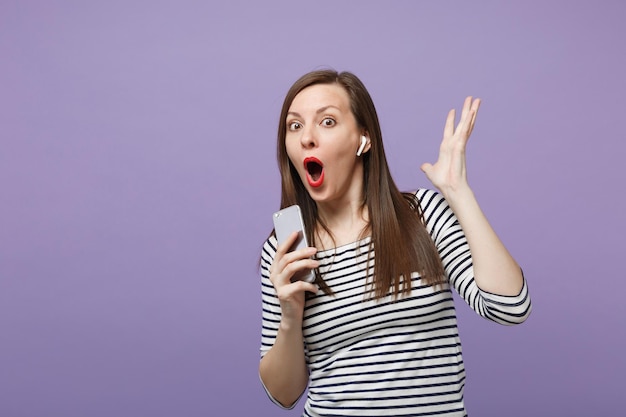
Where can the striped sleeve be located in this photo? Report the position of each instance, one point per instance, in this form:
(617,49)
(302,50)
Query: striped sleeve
(270,306)
(270,315)
(446,232)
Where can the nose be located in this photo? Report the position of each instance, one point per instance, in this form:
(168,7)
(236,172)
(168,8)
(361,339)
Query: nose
(308,139)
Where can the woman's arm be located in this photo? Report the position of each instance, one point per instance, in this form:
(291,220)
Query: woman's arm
(283,369)
(495,270)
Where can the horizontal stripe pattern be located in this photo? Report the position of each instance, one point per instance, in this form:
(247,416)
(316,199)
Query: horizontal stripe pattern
(379,357)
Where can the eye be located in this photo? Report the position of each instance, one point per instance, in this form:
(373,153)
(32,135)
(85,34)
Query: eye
(294,125)
(329,122)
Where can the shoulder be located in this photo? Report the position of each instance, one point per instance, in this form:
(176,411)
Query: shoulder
(270,244)
(436,212)
(425,193)
(268,250)
(429,199)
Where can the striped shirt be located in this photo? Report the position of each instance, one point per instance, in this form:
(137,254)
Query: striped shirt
(383,358)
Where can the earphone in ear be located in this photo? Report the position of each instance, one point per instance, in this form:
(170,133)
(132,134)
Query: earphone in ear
(362,146)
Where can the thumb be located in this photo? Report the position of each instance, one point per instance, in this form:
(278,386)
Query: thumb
(426,168)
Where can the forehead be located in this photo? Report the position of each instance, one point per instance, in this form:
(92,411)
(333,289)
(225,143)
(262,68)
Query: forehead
(321,95)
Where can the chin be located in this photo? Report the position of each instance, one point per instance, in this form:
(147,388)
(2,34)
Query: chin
(317,195)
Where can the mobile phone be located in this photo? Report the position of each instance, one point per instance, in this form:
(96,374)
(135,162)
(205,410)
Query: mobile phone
(287,221)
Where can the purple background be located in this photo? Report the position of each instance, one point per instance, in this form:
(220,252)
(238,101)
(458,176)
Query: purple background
(138,178)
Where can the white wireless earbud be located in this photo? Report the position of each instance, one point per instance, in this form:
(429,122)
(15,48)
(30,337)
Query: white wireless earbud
(362,146)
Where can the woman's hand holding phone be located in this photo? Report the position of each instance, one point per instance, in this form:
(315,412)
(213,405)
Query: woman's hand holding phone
(291,294)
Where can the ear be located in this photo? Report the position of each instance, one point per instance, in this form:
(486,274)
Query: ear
(364,146)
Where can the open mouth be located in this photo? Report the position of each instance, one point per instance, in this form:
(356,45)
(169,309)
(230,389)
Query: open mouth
(314,171)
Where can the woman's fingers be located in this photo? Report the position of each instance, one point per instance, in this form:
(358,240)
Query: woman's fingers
(452,134)
(471,119)
(467,104)
(295,290)
(286,263)
(470,110)
(283,248)
(448,130)
(295,265)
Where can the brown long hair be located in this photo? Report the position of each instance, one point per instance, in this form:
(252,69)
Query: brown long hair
(396,223)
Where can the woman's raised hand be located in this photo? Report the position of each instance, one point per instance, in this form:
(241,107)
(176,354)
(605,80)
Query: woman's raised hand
(449,174)
(291,294)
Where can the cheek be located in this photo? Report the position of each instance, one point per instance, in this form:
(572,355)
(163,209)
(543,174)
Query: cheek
(294,158)
(291,154)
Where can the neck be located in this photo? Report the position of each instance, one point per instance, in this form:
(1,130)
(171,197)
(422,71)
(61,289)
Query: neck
(345,221)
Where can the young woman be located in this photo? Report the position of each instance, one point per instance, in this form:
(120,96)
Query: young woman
(376,334)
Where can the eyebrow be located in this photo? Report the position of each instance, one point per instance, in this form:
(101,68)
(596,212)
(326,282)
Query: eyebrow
(320,110)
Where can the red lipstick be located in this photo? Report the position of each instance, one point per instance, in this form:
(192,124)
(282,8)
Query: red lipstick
(314,171)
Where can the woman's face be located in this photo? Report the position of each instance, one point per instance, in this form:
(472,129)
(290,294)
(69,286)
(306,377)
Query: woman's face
(322,139)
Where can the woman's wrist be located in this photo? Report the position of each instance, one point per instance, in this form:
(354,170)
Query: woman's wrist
(458,196)
(290,325)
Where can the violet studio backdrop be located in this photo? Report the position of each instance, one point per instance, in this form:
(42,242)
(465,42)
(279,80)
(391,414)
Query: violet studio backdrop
(138,178)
